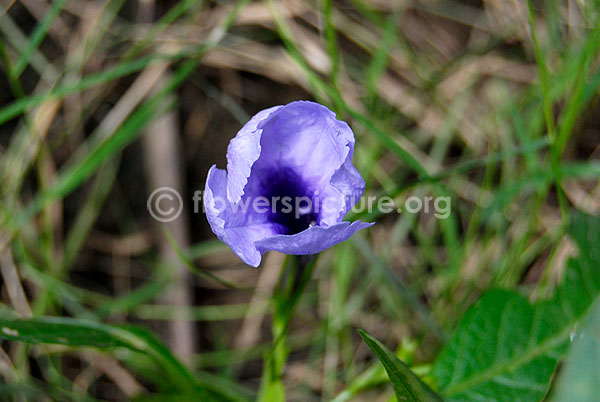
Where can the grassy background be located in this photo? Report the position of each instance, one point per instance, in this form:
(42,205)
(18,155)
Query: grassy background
(493,104)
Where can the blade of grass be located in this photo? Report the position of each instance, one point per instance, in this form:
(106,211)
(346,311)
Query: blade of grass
(548,116)
(331,44)
(78,171)
(37,37)
(88,213)
(317,82)
(13,79)
(186,261)
(164,22)
(577,100)
(396,289)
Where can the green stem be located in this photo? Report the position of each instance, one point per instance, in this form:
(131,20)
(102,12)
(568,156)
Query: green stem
(295,275)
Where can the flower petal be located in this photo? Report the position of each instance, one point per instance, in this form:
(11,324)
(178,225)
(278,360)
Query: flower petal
(298,150)
(348,181)
(242,152)
(233,228)
(306,137)
(313,240)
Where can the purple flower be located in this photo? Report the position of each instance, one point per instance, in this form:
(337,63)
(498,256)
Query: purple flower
(289,182)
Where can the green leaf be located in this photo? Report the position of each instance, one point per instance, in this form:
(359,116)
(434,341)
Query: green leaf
(506,348)
(578,382)
(407,386)
(74,332)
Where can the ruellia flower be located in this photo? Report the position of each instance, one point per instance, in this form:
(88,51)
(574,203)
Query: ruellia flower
(288,185)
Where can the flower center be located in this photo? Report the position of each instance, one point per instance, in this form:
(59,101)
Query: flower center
(291,200)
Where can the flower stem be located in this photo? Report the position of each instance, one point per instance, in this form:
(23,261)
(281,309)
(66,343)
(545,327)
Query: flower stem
(295,275)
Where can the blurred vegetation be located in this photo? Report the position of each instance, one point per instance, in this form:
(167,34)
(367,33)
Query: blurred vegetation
(491,103)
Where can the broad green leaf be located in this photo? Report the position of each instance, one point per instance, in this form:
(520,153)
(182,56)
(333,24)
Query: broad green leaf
(580,377)
(407,386)
(506,348)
